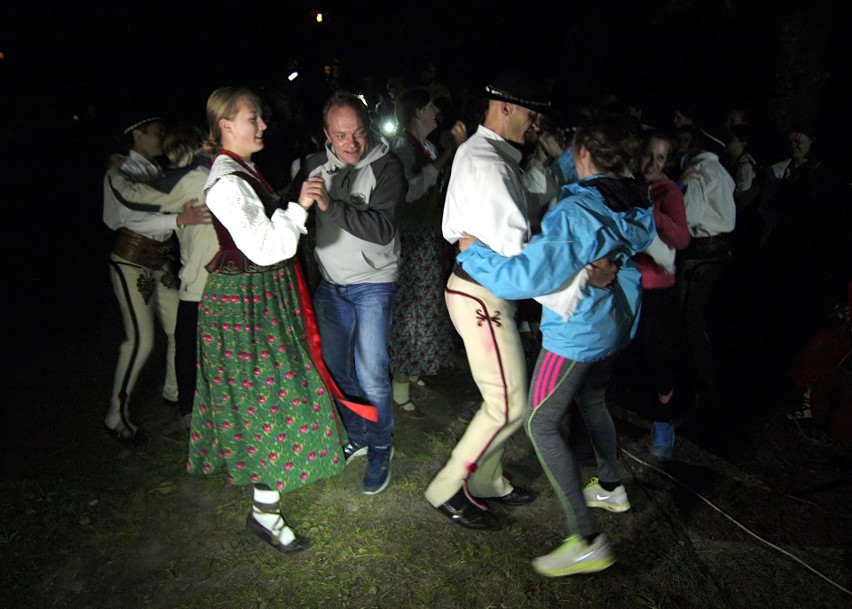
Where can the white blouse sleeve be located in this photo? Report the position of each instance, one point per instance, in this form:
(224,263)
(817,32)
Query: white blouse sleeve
(235,204)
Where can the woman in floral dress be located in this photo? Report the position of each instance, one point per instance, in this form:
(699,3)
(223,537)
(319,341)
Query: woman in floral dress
(262,415)
(421,336)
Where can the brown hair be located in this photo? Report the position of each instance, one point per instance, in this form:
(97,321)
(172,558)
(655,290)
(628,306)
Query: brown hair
(613,143)
(408,103)
(223,103)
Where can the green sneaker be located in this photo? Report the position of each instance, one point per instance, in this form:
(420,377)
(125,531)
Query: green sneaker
(613,501)
(575,555)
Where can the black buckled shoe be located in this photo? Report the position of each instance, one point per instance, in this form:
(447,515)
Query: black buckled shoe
(518,496)
(253,527)
(461,511)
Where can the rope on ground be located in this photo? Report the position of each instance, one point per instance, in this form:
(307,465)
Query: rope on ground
(743,527)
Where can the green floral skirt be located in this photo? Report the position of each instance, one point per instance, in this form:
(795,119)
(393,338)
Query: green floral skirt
(261,414)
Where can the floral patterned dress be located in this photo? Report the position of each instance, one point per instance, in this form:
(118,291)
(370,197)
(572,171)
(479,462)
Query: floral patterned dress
(421,335)
(261,414)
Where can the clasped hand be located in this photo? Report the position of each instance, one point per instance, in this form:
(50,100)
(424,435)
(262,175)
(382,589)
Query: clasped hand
(314,191)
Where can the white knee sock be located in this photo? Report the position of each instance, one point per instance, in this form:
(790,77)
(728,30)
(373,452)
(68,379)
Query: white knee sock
(272,521)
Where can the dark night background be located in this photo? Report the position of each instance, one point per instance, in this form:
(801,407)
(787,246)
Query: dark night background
(70,72)
(89,59)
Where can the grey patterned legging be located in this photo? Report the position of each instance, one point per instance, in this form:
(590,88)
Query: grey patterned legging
(556,382)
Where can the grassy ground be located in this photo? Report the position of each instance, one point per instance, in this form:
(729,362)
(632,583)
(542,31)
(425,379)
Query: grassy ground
(89,523)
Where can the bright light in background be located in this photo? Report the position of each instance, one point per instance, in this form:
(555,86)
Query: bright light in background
(389,127)
(319,17)
(293,76)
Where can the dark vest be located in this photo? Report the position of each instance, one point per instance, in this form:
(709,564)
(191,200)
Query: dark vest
(230,259)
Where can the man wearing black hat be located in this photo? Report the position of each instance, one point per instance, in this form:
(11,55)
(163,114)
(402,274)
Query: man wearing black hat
(486,198)
(139,271)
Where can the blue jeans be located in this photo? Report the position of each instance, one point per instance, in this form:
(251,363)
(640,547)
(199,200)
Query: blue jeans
(354,324)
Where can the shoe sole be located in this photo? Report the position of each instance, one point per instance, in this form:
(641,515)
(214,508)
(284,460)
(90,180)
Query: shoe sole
(381,488)
(258,531)
(387,480)
(483,522)
(591,566)
(609,507)
(361,452)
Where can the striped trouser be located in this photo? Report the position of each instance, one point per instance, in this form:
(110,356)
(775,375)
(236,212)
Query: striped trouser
(142,297)
(556,382)
(496,357)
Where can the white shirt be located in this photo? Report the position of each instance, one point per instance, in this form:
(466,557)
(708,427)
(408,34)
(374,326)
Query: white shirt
(236,205)
(709,199)
(154,225)
(198,242)
(418,183)
(486,197)
(745,173)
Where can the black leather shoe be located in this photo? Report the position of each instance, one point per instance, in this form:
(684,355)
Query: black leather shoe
(126,436)
(253,527)
(469,516)
(518,496)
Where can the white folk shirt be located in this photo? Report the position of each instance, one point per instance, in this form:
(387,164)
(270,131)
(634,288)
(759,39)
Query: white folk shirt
(709,199)
(236,205)
(486,197)
(154,225)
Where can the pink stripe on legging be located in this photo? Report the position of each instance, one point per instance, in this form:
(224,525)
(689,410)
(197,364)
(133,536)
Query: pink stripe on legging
(547,376)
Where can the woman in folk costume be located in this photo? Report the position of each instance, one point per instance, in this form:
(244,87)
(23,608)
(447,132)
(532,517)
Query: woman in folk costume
(583,326)
(262,414)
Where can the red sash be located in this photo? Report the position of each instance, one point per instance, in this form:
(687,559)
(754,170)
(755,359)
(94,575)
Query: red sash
(315,349)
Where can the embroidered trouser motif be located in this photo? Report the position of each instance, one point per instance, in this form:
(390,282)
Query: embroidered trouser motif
(142,297)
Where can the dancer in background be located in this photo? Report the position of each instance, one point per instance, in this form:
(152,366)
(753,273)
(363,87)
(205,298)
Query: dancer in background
(421,335)
(144,285)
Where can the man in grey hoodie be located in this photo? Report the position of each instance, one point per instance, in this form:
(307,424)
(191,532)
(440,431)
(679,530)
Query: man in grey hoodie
(358,188)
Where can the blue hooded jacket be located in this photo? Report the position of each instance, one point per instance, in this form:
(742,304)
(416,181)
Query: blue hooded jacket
(597,216)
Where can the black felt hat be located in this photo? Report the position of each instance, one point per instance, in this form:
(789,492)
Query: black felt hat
(519,88)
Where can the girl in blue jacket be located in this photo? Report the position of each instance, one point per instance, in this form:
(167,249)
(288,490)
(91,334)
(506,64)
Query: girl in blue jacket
(583,327)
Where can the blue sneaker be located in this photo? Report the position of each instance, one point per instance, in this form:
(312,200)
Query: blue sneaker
(350,451)
(378,474)
(662,439)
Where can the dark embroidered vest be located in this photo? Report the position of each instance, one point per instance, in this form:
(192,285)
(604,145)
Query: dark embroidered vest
(230,259)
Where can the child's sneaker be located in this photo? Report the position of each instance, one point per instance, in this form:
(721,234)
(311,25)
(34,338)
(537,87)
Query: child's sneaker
(575,555)
(597,496)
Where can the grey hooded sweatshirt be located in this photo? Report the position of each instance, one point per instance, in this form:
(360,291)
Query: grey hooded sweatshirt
(357,238)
